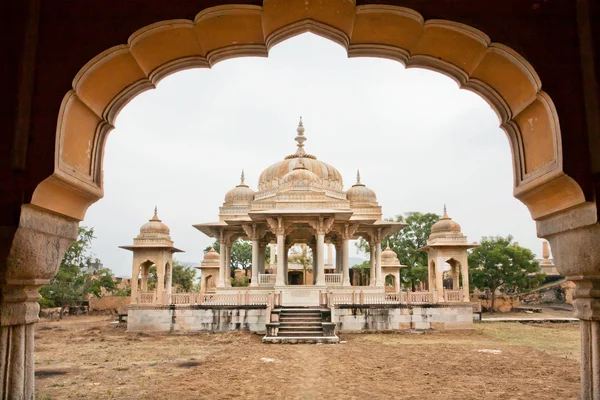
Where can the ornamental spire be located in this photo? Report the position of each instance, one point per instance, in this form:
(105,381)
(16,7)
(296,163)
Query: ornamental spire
(445,212)
(300,138)
(358,177)
(155,211)
(242,178)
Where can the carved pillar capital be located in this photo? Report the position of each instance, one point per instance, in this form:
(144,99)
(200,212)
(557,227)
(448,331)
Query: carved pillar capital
(37,250)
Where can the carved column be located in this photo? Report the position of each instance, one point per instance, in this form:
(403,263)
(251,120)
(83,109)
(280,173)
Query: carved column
(464,271)
(320,258)
(222,261)
(135,273)
(439,278)
(313,248)
(345,262)
(378,277)
(280,279)
(37,248)
(228,263)
(372,265)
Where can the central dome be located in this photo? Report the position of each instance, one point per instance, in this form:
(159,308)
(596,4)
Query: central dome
(271,177)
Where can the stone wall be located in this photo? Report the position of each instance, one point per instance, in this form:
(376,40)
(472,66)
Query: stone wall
(196,319)
(108,303)
(380,318)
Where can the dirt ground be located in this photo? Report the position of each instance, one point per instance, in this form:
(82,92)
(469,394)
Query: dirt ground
(91,358)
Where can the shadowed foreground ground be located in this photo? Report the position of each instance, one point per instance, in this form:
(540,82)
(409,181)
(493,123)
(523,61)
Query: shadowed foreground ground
(93,359)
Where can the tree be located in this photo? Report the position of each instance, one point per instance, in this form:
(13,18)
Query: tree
(73,283)
(241,255)
(182,277)
(406,242)
(499,264)
(303,259)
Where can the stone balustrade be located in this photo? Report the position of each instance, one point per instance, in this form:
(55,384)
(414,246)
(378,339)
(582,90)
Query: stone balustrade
(266,279)
(333,279)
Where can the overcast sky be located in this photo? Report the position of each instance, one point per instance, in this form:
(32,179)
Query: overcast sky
(418,140)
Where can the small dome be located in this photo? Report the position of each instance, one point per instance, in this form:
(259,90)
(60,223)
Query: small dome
(389,258)
(240,193)
(300,176)
(211,256)
(445,225)
(154,225)
(359,193)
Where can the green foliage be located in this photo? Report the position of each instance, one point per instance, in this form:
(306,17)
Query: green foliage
(305,259)
(362,266)
(499,264)
(241,255)
(240,281)
(182,277)
(72,282)
(406,243)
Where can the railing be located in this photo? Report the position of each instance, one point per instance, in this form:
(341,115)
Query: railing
(146,297)
(381,298)
(182,298)
(221,299)
(453,295)
(267,279)
(342,298)
(420,297)
(333,279)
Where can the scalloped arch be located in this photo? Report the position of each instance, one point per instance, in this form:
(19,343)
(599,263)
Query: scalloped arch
(497,73)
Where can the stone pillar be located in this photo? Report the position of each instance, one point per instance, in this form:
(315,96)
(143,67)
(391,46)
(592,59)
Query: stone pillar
(135,273)
(228,265)
(222,265)
(372,265)
(378,277)
(280,280)
(338,258)
(145,274)
(439,278)
(345,262)
(314,264)
(169,273)
(320,258)
(31,257)
(160,279)
(261,257)
(285,264)
(255,262)
(456,275)
(464,271)
(330,255)
(273,248)
(430,274)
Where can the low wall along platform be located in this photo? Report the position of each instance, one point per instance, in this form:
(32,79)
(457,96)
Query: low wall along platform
(196,318)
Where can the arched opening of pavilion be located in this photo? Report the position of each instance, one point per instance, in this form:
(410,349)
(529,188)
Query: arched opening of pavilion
(537,174)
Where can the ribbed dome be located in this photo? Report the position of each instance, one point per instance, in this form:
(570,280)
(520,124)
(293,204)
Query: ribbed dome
(359,193)
(389,258)
(271,177)
(445,225)
(240,193)
(211,256)
(300,176)
(154,225)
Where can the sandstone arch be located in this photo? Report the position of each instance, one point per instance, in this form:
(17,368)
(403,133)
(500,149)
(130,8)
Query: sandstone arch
(494,71)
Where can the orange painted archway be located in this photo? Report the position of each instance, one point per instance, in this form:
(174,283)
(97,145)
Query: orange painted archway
(497,73)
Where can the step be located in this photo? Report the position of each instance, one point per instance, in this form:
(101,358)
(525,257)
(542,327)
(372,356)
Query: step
(300,333)
(300,340)
(317,314)
(300,329)
(300,323)
(313,320)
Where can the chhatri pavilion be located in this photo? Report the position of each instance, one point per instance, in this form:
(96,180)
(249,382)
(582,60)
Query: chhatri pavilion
(300,200)
(300,204)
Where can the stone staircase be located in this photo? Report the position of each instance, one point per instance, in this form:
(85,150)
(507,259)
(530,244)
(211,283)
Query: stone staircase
(300,325)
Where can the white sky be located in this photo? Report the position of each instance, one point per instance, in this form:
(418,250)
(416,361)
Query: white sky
(418,140)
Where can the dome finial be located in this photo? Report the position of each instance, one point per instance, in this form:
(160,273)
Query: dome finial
(242,178)
(445,212)
(358,176)
(300,138)
(156,211)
